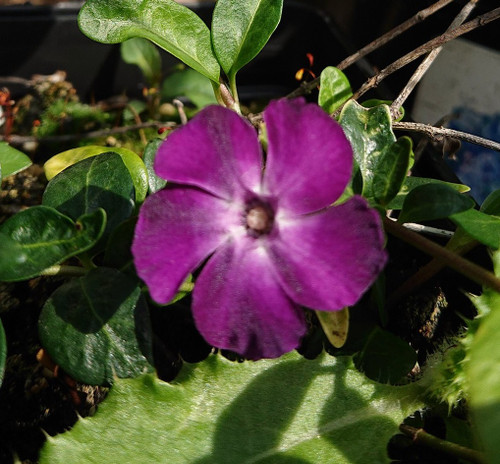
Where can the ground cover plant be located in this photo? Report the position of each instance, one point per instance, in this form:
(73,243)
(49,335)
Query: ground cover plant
(263,286)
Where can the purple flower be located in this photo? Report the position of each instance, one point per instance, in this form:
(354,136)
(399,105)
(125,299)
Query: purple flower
(273,240)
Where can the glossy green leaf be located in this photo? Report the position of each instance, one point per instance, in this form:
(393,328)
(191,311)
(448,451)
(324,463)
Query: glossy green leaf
(190,84)
(97,327)
(287,410)
(371,102)
(97,182)
(155,182)
(483,227)
(483,371)
(334,89)
(40,237)
(171,26)
(433,201)
(3,351)
(12,161)
(412,182)
(241,29)
(375,150)
(491,205)
(385,357)
(145,55)
(118,253)
(132,161)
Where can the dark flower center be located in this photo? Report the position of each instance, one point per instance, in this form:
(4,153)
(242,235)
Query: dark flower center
(259,218)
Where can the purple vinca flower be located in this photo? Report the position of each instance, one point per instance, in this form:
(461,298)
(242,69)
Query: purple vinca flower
(273,240)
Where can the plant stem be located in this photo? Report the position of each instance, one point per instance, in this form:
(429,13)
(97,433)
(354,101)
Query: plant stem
(234,91)
(437,133)
(63,270)
(421,437)
(472,271)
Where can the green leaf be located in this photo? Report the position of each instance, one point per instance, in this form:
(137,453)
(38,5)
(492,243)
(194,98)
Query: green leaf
(412,182)
(132,161)
(145,55)
(155,182)
(385,357)
(375,148)
(118,253)
(334,89)
(12,161)
(191,84)
(491,205)
(370,103)
(97,182)
(433,201)
(241,29)
(97,327)
(40,237)
(171,26)
(3,351)
(287,410)
(483,227)
(483,371)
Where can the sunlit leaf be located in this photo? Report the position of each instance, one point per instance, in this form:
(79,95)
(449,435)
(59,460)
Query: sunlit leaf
(286,410)
(335,325)
(12,161)
(168,24)
(334,89)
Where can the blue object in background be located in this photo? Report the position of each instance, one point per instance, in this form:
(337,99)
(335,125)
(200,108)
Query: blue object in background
(476,166)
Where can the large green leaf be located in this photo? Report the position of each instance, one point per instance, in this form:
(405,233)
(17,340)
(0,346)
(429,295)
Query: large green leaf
(132,161)
(97,327)
(11,160)
(483,370)
(287,410)
(483,227)
(143,54)
(97,182)
(334,89)
(40,237)
(3,352)
(171,26)
(240,29)
(381,160)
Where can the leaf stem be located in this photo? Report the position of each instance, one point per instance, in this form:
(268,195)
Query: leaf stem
(421,437)
(234,91)
(472,271)
(64,270)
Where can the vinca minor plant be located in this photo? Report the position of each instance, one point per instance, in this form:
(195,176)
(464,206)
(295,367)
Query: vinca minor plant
(274,230)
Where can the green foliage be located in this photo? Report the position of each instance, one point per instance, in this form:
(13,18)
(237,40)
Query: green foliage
(241,29)
(132,161)
(12,161)
(40,237)
(3,351)
(97,182)
(171,26)
(155,183)
(334,89)
(97,327)
(145,55)
(286,410)
(190,84)
(483,227)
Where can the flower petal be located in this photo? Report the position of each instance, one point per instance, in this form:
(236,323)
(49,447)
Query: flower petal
(217,151)
(326,261)
(177,229)
(309,159)
(239,305)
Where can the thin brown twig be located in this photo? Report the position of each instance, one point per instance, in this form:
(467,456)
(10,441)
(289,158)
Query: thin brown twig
(429,59)
(426,48)
(438,133)
(377,43)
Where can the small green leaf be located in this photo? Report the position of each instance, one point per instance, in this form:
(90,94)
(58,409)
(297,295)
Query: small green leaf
(132,161)
(97,327)
(433,201)
(483,227)
(12,161)
(385,357)
(145,55)
(171,26)
(3,351)
(491,205)
(40,237)
(191,84)
(334,89)
(155,182)
(412,182)
(97,182)
(372,102)
(241,29)
(285,410)
(335,325)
